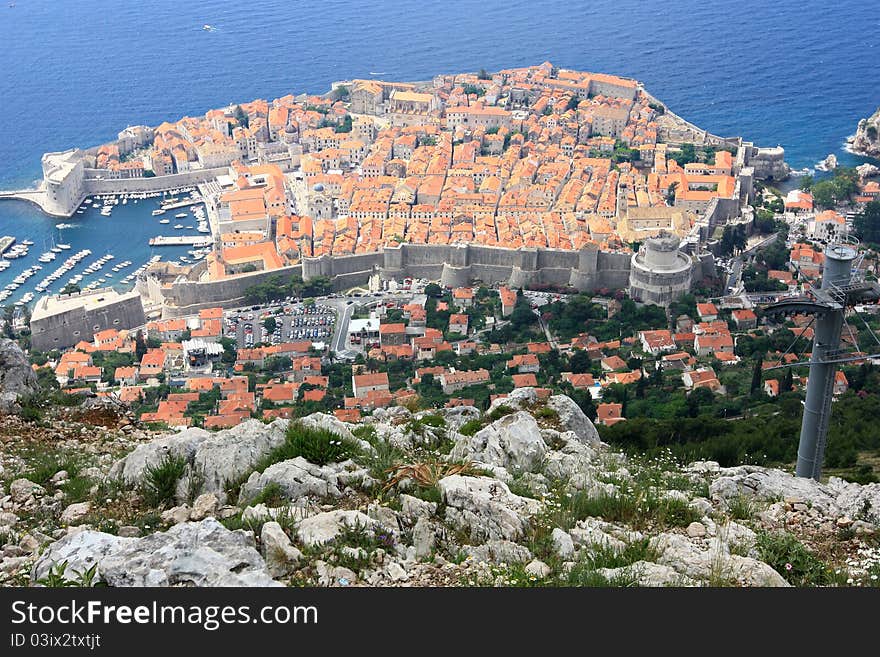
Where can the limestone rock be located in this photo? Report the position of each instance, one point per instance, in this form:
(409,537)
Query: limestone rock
(647,574)
(866,141)
(770,484)
(75,512)
(696,530)
(538,568)
(424,537)
(562,543)
(189,554)
(296,478)
(573,419)
(227,455)
(324,527)
(279,553)
(21,490)
(514,442)
(132,467)
(498,552)
(17,378)
(485,507)
(413,508)
(176,515)
(856,500)
(204,505)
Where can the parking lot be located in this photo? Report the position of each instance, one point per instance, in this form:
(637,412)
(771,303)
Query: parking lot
(293,322)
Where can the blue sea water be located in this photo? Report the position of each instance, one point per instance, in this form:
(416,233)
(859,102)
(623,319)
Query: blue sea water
(796,73)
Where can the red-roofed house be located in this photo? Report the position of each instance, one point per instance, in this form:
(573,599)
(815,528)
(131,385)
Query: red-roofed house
(525,380)
(745,319)
(609,414)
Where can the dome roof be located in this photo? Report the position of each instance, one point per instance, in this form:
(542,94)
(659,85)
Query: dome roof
(318,187)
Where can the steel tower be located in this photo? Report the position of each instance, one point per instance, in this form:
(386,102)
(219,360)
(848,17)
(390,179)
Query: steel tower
(827,304)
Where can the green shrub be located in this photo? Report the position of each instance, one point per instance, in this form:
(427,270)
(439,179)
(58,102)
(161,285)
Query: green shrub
(470,427)
(271,496)
(318,446)
(160,481)
(500,411)
(791,559)
(433,420)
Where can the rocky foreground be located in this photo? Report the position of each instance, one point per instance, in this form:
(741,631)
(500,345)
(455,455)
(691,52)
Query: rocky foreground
(525,494)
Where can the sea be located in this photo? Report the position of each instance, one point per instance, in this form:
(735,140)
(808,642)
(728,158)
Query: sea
(799,73)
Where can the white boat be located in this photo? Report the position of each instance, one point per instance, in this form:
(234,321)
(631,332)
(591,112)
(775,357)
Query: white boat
(4,265)
(181,215)
(27,242)
(63,246)
(158,212)
(178,226)
(56,249)
(164,221)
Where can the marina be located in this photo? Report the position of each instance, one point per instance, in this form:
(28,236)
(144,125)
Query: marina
(119,226)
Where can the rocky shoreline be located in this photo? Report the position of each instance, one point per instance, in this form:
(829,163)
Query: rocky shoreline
(866,141)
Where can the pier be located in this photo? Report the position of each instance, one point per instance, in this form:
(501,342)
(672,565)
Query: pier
(183,204)
(181,240)
(35,196)
(5,242)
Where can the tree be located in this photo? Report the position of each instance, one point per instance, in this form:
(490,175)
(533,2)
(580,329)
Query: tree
(579,363)
(240,116)
(433,290)
(270,324)
(700,401)
(522,315)
(71,288)
(806,183)
(867,223)
(140,345)
(787,381)
(573,103)
(756,375)
(483,75)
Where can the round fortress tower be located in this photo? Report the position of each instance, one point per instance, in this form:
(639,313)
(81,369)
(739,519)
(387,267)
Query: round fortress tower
(659,272)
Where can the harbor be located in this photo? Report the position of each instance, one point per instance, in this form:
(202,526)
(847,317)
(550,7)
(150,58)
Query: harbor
(107,243)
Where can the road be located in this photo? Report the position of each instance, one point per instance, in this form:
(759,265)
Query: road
(345,308)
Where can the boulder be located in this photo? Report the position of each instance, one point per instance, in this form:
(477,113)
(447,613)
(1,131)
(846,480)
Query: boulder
(296,478)
(75,512)
(458,415)
(227,455)
(17,378)
(132,467)
(190,554)
(513,442)
(279,553)
(647,574)
(572,418)
(562,543)
(21,490)
(424,537)
(204,505)
(769,484)
(856,500)
(506,552)
(325,527)
(538,569)
(485,507)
